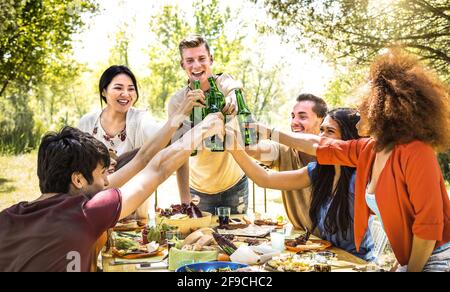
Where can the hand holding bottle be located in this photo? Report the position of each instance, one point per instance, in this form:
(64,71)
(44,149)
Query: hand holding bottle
(212,124)
(234,135)
(230,107)
(193,98)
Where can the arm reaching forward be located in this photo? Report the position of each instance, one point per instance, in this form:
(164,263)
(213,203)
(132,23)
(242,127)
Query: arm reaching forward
(150,148)
(306,143)
(139,188)
(286,180)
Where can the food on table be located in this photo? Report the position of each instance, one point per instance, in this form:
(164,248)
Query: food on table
(230,237)
(130,245)
(300,240)
(176,211)
(311,245)
(185,224)
(265,222)
(251,230)
(322,267)
(233,226)
(254,241)
(129,225)
(125,243)
(200,240)
(227,246)
(289,264)
(213,267)
(218,270)
(156,233)
(278,222)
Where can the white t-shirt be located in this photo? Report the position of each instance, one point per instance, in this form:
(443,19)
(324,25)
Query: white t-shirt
(139,128)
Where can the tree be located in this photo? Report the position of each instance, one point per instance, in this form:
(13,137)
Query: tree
(32,31)
(35,39)
(211,23)
(359,29)
(166,75)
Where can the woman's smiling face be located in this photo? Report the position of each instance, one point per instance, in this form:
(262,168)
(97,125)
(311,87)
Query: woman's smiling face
(120,93)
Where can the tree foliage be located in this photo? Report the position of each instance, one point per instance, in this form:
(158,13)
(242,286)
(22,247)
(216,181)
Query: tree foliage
(35,42)
(165,74)
(359,29)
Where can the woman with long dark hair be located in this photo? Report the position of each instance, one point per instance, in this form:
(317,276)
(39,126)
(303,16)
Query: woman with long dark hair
(331,210)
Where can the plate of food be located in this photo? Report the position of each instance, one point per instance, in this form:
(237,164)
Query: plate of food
(186,217)
(278,222)
(129,246)
(220,267)
(249,231)
(129,225)
(289,264)
(304,243)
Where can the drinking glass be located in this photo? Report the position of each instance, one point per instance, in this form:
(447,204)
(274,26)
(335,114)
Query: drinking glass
(224,215)
(277,240)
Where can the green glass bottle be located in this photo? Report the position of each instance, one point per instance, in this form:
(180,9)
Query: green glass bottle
(245,119)
(196,114)
(215,104)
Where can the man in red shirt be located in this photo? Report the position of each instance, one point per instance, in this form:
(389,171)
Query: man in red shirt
(79,202)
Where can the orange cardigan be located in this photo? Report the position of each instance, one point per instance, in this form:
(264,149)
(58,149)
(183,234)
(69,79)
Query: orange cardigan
(410,191)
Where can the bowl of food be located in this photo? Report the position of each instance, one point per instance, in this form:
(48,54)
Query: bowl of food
(220,267)
(186,217)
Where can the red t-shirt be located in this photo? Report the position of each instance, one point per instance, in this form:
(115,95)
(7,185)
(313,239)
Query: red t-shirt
(56,234)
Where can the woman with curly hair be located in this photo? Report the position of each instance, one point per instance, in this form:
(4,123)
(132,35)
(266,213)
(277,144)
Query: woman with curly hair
(406,115)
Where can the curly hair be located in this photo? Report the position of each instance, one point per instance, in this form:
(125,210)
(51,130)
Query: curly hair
(406,103)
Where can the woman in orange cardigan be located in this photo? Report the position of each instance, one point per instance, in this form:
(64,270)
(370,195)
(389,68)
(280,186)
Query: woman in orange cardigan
(406,115)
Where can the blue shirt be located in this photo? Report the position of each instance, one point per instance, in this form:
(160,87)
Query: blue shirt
(346,243)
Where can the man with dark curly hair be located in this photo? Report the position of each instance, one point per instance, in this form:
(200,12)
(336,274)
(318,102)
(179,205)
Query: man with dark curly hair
(406,115)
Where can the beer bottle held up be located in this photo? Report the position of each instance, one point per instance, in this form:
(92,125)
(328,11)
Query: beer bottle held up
(215,104)
(196,114)
(249,136)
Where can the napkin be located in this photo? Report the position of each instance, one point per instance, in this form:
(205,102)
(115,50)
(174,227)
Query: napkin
(253,255)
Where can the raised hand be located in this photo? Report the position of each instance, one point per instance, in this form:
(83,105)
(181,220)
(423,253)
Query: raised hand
(212,124)
(230,107)
(193,98)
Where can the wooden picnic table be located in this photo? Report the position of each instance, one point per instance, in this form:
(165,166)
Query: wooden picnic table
(345,261)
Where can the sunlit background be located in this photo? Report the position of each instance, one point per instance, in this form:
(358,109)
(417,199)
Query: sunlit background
(52,53)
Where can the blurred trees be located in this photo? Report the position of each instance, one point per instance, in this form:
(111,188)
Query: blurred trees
(357,30)
(35,42)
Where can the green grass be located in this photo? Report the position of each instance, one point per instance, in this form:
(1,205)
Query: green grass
(18,179)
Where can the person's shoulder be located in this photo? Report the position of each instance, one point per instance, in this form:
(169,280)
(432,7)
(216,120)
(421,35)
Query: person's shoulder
(90,115)
(176,99)
(227,81)
(106,196)
(178,95)
(136,112)
(88,119)
(416,149)
(415,146)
